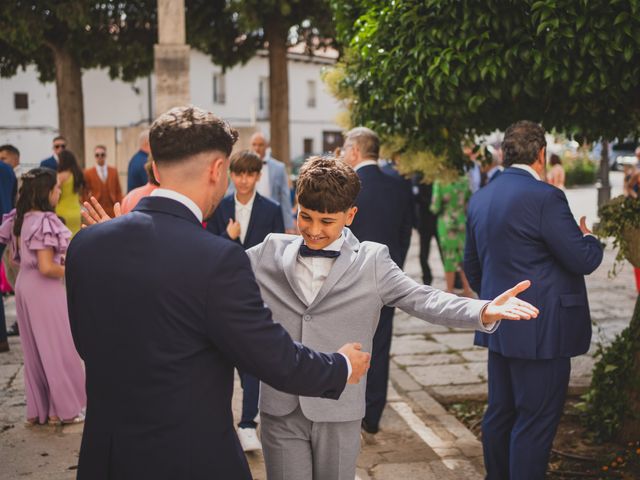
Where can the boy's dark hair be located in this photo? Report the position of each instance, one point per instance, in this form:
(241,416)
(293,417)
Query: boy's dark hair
(522,143)
(245,161)
(327,185)
(34,194)
(10,149)
(183,132)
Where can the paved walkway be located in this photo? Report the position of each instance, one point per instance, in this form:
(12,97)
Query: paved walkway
(418,438)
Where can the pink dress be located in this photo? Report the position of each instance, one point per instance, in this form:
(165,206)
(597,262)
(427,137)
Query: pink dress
(53,373)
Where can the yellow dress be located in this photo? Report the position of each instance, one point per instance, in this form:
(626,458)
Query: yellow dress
(69,206)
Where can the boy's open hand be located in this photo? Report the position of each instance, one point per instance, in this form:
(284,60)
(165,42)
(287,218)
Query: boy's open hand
(359,361)
(94,213)
(508,307)
(233,229)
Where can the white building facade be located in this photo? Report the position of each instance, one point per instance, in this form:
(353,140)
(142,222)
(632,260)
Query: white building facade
(114,109)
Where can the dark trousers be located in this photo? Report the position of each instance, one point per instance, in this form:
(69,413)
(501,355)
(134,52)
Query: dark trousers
(378,376)
(526,399)
(3,321)
(426,230)
(250,394)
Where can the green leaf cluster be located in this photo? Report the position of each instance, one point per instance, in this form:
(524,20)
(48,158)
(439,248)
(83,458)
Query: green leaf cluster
(112,34)
(436,72)
(618,217)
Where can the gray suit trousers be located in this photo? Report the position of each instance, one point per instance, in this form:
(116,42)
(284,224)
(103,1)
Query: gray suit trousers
(295,448)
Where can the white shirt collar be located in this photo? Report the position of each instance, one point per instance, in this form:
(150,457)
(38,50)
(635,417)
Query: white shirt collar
(365,163)
(178,197)
(527,168)
(248,205)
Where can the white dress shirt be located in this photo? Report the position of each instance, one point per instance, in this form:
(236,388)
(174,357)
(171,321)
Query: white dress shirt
(365,163)
(103,172)
(311,272)
(264,184)
(243,214)
(178,197)
(527,168)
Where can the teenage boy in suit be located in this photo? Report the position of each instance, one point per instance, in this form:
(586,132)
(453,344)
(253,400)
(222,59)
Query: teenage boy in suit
(247,217)
(315,281)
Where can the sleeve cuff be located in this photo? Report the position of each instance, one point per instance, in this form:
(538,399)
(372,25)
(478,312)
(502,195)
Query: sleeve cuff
(349,369)
(489,327)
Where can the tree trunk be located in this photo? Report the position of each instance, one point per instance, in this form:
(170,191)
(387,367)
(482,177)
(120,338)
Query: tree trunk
(70,101)
(276,34)
(630,430)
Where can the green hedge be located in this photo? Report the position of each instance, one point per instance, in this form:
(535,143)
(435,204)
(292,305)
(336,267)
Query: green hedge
(580,172)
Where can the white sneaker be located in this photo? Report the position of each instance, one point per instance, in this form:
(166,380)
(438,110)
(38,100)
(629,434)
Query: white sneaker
(249,439)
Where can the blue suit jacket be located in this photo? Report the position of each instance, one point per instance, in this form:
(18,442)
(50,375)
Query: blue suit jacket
(160,322)
(50,163)
(384,212)
(136,174)
(8,189)
(519,228)
(266,218)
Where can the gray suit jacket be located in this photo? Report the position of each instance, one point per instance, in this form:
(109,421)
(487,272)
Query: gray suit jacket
(347,308)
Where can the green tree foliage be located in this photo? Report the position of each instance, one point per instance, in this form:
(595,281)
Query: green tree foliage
(63,37)
(427,73)
(231,32)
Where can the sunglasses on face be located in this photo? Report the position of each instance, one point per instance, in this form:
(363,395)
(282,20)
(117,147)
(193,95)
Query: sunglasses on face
(100,155)
(59,146)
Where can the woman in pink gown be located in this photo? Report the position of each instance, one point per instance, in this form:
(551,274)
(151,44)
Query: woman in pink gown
(54,377)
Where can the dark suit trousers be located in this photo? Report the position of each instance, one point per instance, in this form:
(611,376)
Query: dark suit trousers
(250,394)
(427,228)
(3,322)
(378,376)
(526,398)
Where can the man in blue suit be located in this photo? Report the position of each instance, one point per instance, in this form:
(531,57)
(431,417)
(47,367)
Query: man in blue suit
(136,172)
(384,216)
(8,188)
(159,398)
(520,227)
(59,144)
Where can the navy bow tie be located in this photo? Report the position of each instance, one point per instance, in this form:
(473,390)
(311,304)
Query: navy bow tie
(308,252)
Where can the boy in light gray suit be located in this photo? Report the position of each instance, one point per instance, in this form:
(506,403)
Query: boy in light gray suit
(326,287)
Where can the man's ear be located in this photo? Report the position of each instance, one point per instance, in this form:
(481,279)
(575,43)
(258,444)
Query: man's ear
(351,213)
(217,169)
(156,174)
(542,157)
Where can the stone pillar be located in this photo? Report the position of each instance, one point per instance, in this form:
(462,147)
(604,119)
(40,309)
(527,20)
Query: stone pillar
(171,57)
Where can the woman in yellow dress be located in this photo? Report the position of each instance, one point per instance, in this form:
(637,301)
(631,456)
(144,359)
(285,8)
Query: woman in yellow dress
(71,182)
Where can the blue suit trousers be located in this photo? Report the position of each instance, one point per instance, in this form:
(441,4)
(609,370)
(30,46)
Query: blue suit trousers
(526,399)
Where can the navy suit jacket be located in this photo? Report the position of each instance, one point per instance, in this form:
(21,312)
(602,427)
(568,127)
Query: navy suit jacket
(50,163)
(161,316)
(384,212)
(8,189)
(519,228)
(266,218)
(136,174)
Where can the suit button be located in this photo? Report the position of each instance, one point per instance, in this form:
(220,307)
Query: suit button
(307,318)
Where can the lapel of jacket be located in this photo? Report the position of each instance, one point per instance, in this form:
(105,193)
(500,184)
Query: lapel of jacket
(348,254)
(253,218)
(289,259)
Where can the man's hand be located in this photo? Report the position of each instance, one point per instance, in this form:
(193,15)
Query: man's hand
(583,226)
(233,229)
(508,307)
(359,361)
(94,213)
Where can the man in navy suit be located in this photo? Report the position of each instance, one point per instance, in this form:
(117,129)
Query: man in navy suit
(59,144)
(520,227)
(8,189)
(247,217)
(159,398)
(384,216)
(136,172)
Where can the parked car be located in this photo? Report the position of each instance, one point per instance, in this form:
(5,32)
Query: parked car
(617,150)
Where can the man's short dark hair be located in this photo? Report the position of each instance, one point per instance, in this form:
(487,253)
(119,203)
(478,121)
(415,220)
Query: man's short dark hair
(59,137)
(245,161)
(10,149)
(522,143)
(327,185)
(183,132)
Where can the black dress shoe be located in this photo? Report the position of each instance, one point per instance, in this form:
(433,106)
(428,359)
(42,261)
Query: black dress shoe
(4,346)
(369,428)
(13,330)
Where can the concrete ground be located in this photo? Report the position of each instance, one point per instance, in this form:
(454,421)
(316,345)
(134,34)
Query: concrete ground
(418,438)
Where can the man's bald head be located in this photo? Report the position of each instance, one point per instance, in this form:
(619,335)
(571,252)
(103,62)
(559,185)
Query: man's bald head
(259,144)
